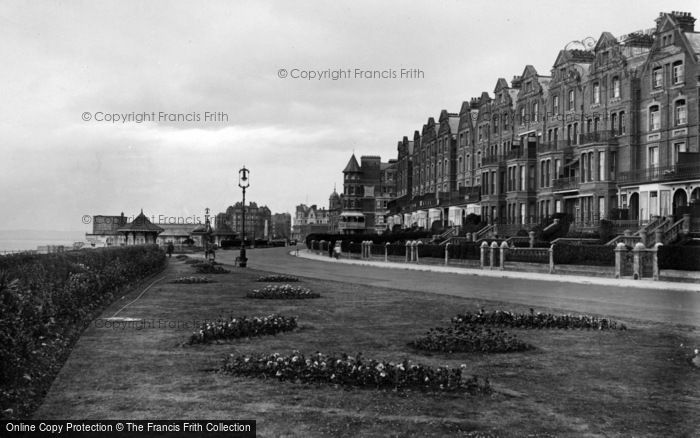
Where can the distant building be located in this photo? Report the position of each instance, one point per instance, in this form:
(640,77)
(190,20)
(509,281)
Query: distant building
(104,230)
(177,234)
(258,220)
(308,220)
(281,226)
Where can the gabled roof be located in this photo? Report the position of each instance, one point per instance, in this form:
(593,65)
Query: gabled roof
(606,40)
(574,55)
(693,41)
(529,71)
(353,166)
(501,83)
(141,224)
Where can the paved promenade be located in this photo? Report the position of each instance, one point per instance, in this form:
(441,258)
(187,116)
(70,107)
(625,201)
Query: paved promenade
(640,299)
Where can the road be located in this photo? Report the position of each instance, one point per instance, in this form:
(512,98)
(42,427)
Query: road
(676,307)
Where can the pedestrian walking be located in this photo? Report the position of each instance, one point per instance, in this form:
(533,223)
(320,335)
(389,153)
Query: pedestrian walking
(170,249)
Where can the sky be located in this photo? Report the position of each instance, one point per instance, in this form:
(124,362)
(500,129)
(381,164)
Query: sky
(110,107)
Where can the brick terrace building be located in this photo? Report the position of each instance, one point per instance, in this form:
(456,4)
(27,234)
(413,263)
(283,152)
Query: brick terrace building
(614,127)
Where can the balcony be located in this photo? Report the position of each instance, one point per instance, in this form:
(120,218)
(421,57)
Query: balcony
(492,159)
(555,145)
(514,154)
(607,136)
(563,184)
(666,173)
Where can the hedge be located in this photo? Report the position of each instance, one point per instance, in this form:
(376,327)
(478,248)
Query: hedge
(685,258)
(46,300)
(594,255)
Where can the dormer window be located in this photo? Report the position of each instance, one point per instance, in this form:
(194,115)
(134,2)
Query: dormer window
(678,73)
(528,86)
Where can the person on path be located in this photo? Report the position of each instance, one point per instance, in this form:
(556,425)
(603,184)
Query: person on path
(170,249)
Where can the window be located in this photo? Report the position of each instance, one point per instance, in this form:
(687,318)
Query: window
(522,178)
(653,157)
(505,121)
(522,115)
(535,111)
(654,119)
(613,164)
(528,86)
(601,166)
(596,124)
(495,124)
(555,105)
(613,123)
(677,149)
(572,100)
(615,87)
(461,164)
(623,126)
(596,92)
(589,125)
(679,113)
(575,141)
(557,168)
(656,76)
(678,76)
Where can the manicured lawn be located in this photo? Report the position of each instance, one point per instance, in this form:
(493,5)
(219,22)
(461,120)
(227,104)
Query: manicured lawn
(637,382)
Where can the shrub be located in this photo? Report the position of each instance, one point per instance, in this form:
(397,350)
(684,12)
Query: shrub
(45,302)
(469,338)
(242,327)
(284,291)
(210,268)
(277,278)
(686,258)
(356,371)
(594,255)
(537,320)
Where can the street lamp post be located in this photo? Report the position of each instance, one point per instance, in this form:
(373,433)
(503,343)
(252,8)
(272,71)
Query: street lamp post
(243,183)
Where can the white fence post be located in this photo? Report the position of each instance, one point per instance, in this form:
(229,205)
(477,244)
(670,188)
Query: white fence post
(447,253)
(551,259)
(494,248)
(504,249)
(484,247)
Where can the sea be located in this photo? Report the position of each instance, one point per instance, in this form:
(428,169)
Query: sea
(22,240)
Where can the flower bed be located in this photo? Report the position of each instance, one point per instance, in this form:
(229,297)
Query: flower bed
(350,371)
(537,320)
(192,280)
(243,327)
(284,291)
(469,338)
(277,279)
(210,268)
